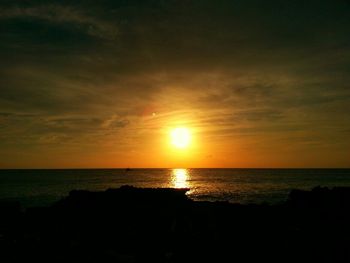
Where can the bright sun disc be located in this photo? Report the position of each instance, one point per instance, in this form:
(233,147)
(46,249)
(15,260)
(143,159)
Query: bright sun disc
(180,137)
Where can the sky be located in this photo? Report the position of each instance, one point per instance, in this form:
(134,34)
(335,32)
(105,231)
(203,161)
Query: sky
(103,83)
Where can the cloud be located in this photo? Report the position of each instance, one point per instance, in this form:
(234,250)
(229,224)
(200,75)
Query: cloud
(63,15)
(86,72)
(115,123)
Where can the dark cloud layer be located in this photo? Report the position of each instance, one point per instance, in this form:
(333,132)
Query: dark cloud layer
(83,72)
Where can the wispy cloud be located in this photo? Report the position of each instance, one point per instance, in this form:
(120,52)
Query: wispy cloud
(64,14)
(114,75)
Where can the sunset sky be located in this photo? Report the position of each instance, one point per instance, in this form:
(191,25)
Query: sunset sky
(104,83)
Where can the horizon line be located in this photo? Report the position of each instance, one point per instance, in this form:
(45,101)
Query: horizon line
(169,168)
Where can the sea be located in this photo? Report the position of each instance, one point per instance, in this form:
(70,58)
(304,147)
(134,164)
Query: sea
(42,187)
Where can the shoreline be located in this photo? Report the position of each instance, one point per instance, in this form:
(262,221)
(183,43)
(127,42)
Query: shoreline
(130,224)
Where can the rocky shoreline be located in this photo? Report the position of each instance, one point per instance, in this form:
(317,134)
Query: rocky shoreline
(131,224)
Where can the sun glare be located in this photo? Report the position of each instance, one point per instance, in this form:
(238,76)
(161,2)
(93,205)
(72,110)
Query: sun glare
(180,137)
(180,178)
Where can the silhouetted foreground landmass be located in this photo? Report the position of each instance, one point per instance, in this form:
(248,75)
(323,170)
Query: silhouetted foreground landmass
(163,225)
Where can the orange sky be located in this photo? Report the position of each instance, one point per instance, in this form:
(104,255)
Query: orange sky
(101,84)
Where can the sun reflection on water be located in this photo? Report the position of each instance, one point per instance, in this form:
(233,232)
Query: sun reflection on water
(180,178)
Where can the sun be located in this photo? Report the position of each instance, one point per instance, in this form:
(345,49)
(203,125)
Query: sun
(180,137)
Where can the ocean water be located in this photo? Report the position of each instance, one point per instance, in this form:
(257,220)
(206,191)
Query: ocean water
(42,187)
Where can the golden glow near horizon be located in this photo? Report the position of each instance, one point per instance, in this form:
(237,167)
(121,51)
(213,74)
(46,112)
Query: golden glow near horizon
(179,178)
(180,137)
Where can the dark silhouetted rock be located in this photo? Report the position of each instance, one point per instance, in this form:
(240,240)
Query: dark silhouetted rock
(163,225)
